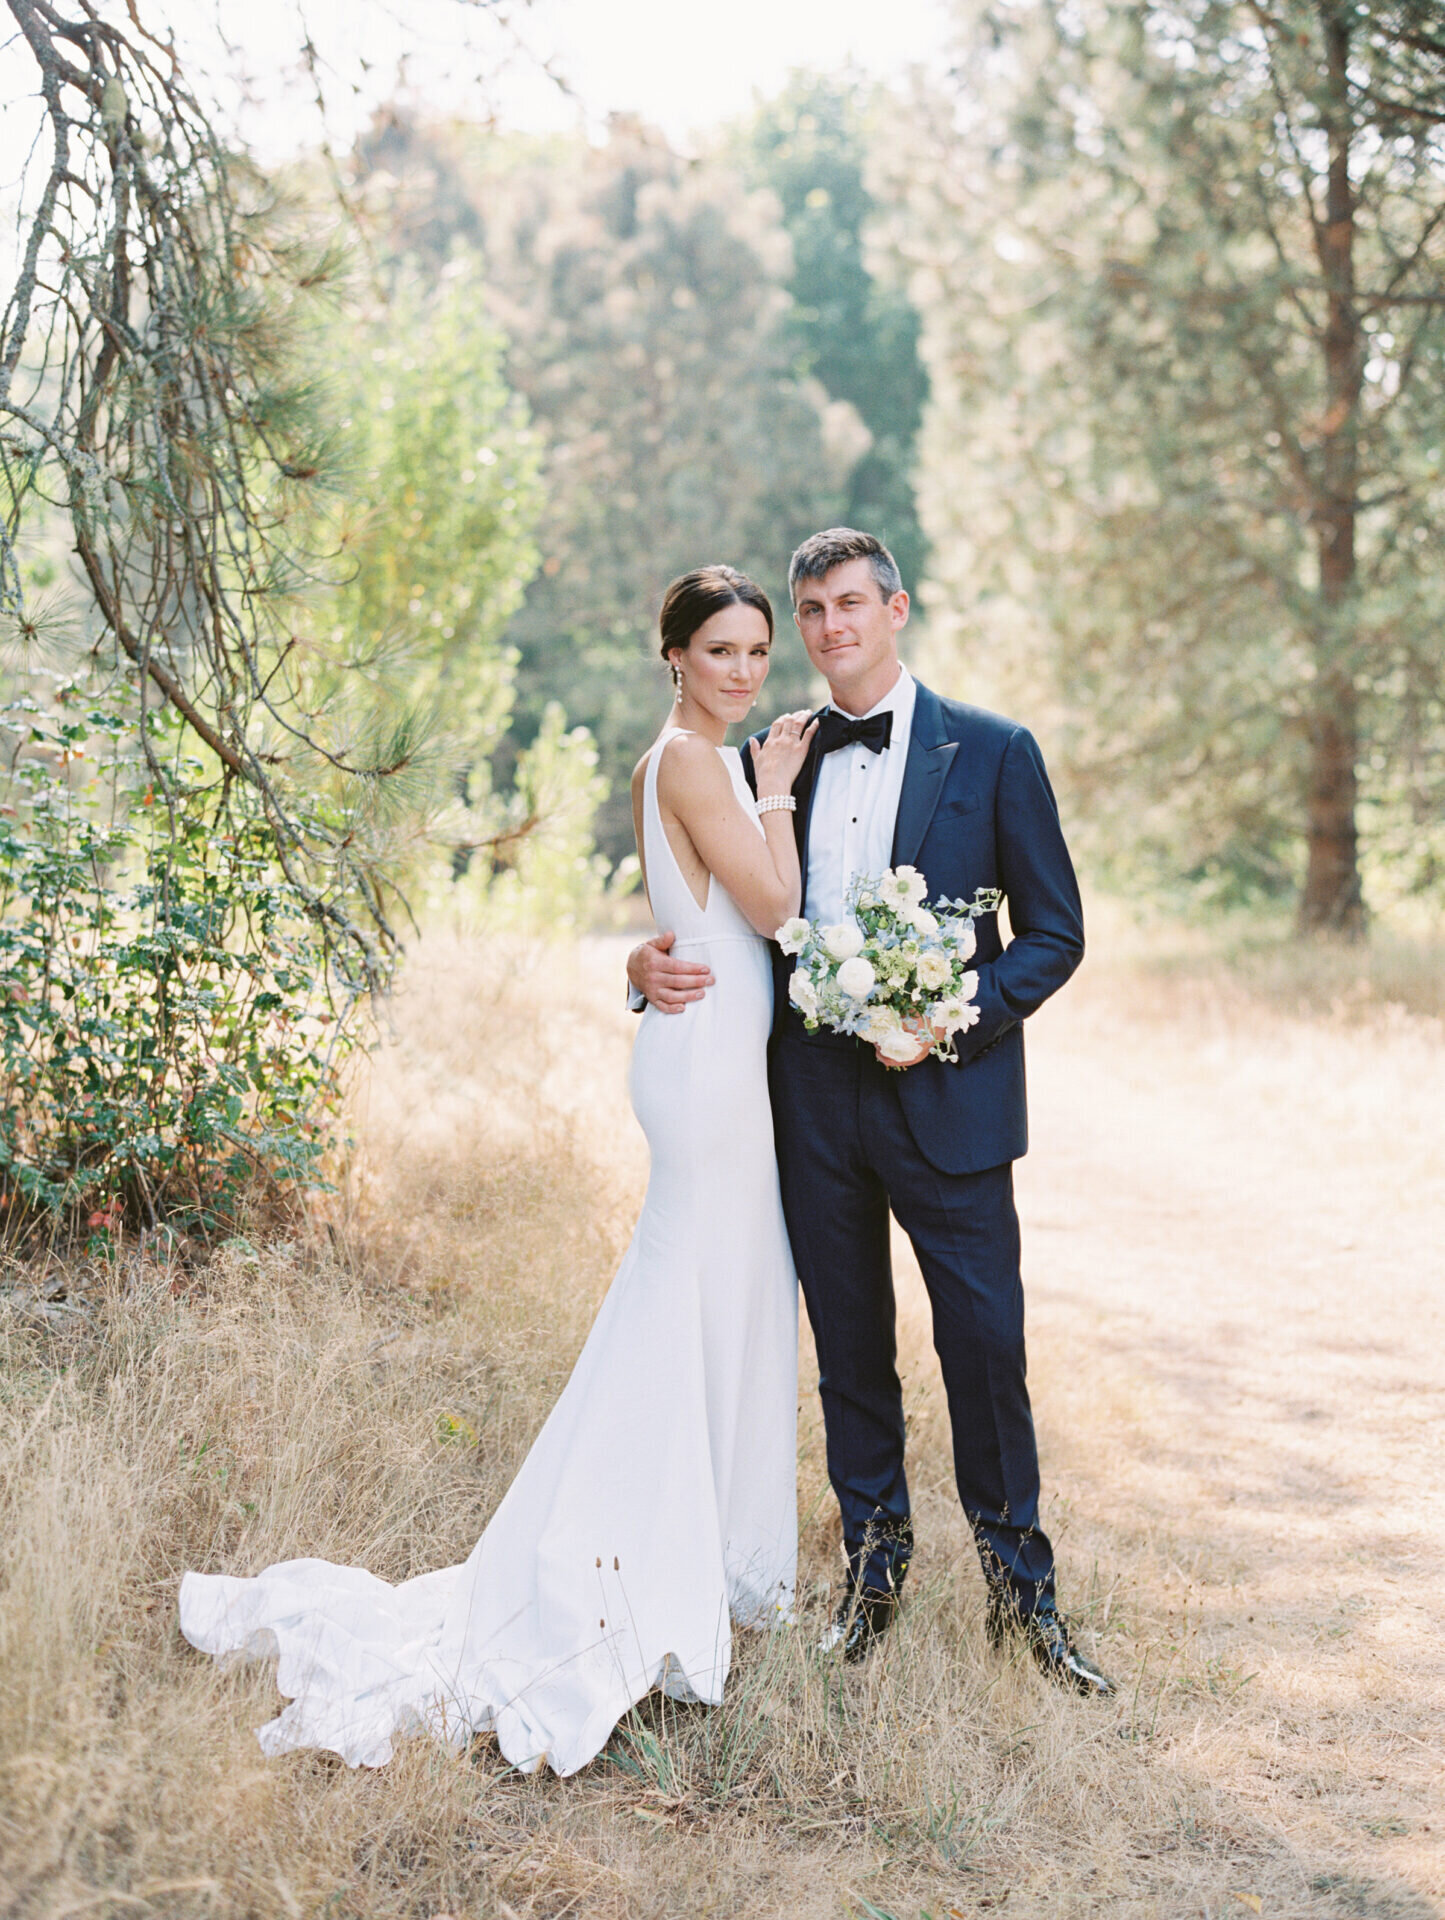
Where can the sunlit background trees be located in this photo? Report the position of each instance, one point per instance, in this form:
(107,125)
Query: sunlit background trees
(1183,277)
(340,497)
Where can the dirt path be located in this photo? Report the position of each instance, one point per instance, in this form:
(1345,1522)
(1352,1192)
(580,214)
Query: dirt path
(1235,1261)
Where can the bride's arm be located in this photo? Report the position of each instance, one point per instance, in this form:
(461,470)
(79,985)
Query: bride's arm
(761,873)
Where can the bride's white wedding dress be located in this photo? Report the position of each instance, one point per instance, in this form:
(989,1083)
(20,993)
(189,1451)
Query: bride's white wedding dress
(658,1500)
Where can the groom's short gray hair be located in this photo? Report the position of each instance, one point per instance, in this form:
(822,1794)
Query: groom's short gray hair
(834,547)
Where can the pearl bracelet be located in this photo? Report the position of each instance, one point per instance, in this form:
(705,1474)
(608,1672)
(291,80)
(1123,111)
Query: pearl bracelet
(776,803)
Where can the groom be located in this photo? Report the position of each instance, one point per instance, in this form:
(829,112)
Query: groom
(898,776)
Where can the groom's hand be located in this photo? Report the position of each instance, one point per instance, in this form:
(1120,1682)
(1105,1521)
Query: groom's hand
(664,982)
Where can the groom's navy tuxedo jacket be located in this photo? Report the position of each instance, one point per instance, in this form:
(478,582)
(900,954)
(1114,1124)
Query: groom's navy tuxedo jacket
(976,810)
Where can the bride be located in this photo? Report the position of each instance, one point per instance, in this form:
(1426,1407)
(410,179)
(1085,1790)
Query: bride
(658,1503)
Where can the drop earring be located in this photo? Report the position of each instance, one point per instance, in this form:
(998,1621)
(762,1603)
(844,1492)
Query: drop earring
(677,682)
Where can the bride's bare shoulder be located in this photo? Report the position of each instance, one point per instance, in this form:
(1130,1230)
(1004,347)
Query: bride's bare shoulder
(692,764)
(689,760)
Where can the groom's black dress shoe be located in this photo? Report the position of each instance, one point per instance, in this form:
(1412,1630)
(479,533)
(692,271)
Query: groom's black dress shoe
(1047,1637)
(859,1624)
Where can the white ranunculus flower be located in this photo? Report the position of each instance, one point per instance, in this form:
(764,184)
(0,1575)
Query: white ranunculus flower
(922,921)
(844,940)
(856,977)
(881,1021)
(804,995)
(792,936)
(934,969)
(899,1045)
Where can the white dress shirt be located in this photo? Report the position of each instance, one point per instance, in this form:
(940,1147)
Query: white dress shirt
(855,809)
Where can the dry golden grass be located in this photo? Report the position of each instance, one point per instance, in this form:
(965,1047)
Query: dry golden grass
(1233,1256)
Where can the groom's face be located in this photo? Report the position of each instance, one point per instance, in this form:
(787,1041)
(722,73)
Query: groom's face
(848,628)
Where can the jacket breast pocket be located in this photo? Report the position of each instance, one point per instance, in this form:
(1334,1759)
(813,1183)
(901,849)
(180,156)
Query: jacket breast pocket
(960,803)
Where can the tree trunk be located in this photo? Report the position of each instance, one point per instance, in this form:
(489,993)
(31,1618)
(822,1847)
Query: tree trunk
(1332,901)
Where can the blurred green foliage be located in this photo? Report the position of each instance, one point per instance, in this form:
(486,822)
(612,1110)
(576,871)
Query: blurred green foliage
(643,298)
(438,533)
(653,307)
(267,516)
(852,325)
(1185,307)
(437,525)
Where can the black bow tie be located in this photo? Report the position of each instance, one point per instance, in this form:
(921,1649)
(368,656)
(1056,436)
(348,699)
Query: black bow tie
(837,730)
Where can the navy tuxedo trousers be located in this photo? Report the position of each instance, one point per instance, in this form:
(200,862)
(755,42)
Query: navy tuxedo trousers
(846,1158)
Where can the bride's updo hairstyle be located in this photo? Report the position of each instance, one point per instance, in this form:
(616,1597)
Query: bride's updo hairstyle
(693,599)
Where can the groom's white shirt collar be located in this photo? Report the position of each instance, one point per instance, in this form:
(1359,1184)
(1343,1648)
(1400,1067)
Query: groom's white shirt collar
(855,807)
(898,701)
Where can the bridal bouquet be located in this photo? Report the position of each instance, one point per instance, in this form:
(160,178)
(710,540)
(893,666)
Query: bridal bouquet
(895,973)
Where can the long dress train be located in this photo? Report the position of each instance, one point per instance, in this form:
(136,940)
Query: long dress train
(658,1501)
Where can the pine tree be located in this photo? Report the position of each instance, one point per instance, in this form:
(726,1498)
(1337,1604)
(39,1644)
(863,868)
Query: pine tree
(156,393)
(1184,270)
(214,779)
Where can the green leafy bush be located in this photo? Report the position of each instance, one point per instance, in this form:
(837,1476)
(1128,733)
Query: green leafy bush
(167,1038)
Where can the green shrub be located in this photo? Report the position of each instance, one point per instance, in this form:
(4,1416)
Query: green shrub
(167,1038)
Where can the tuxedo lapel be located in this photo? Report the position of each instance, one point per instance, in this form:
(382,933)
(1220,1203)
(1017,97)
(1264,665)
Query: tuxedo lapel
(805,788)
(930,754)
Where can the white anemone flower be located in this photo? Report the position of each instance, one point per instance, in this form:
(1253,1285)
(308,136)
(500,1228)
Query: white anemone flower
(792,936)
(903,887)
(958,1013)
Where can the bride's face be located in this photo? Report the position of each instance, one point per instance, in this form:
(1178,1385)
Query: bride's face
(725,663)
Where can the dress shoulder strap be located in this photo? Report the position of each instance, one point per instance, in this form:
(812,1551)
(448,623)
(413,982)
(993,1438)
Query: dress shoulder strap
(654,758)
(673,901)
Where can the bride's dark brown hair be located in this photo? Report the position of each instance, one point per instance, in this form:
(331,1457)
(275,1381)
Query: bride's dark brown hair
(693,599)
